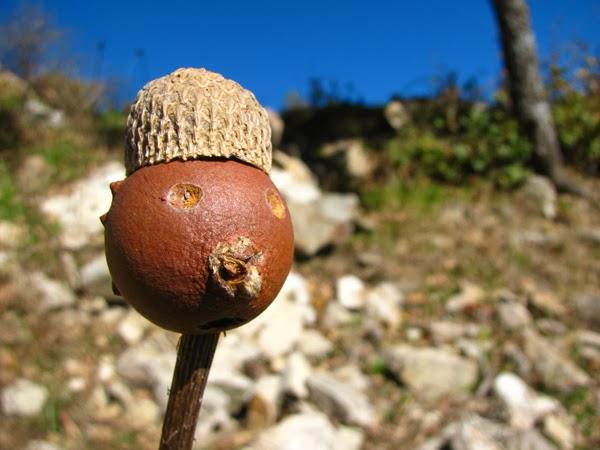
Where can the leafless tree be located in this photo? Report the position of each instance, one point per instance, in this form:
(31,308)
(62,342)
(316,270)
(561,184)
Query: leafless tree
(25,40)
(528,92)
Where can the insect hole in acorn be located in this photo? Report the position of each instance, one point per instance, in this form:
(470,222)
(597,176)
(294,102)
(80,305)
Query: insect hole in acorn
(198,239)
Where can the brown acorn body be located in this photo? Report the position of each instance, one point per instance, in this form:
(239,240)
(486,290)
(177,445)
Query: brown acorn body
(198,246)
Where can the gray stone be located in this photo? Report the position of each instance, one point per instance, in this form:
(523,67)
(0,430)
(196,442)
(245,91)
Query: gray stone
(323,222)
(237,386)
(142,413)
(277,126)
(476,433)
(396,114)
(295,375)
(431,373)
(352,375)
(587,308)
(591,235)
(340,400)
(384,304)
(150,364)
(349,439)
(349,156)
(542,194)
(294,179)
(589,338)
(546,302)
(309,430)
(351,292)
(524,406)
(38,444)
(513,315)
(561,429)
(265,401)
(554,369)
(132,327)
(214,417)
(95,277)
(78,212)
(23,398)
(33,174)
(469,295)
(336,315)
(446,331)
(50,294)
(314,345)
(12,235)
(51,117)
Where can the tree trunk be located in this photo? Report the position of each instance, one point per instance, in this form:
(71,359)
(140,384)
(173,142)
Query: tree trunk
(528,93)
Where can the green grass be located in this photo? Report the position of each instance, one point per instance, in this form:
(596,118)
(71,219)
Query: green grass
(11,208)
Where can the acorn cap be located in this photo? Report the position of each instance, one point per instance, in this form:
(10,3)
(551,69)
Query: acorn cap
(193,114)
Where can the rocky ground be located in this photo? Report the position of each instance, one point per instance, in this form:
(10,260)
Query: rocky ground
(466,321)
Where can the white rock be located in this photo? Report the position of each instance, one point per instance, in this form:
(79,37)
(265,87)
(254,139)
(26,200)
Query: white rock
(352,375)
(297,371)
(340,399)
(310,430)
(38,444)
(336,315)
(76,384)
(414,334)
(295,289)
(554,369)
(71,271)
(541,191)
(281,326)
(314,345)
(560,428)
(142,413)
(469,295)
(323,222)
(525,406)
(349,439)
(431,373)
(51,294)
(513,315)
(446,331)
(235,349)
(237,386)
(78,212)
(11,235)
(265,400)
(150,364)
(23,398)
(396,114)
(119,391)
(351,292)
(294,179)
(277,126)
(384,303)
(214,417)
(132,327)
(95,277)
(106,368)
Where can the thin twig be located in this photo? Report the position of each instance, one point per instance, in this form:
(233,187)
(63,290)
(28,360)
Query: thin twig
(194,357)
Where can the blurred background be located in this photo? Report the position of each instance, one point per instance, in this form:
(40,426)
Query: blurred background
(445,200)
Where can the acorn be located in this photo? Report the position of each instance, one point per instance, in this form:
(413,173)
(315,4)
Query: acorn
(198,239)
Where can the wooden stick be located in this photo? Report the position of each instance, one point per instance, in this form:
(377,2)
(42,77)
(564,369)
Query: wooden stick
(194,357)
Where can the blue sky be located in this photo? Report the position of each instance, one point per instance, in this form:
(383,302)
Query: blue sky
(373,49)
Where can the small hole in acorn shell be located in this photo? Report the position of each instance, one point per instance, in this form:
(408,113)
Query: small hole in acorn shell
(275,204)
(184,196)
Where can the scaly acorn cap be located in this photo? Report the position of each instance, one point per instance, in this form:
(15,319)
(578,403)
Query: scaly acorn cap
(194,113)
